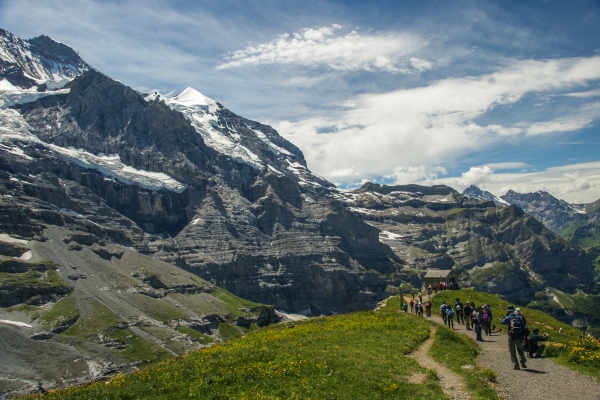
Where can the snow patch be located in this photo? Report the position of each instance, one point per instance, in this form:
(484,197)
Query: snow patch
(26,256)
(277,150)
(200,111)
(11,95)
(390,235)
(5,237)
(113,167)
(15,323)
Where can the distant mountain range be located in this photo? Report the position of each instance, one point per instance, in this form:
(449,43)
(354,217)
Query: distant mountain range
(578,223)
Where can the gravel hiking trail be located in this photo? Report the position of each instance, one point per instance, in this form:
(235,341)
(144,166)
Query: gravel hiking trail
(542,379)
(451,383)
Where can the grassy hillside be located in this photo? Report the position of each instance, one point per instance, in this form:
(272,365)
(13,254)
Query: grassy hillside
(359,355)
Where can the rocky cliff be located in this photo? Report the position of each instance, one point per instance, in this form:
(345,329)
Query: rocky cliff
(188,181)
(495,249)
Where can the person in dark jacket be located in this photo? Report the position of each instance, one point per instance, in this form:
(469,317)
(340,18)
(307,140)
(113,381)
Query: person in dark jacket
(535,349)
(468,315)
(458,309)
(478,324)
(516,327)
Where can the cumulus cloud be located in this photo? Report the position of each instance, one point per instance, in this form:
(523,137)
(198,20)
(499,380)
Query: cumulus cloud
(573,183)
(576,183)
(324,46)
(416,174)
(435,124)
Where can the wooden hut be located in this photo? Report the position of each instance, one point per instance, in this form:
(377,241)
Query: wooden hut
(435,276)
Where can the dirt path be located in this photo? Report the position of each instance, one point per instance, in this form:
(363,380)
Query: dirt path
(542,379)
(451,383)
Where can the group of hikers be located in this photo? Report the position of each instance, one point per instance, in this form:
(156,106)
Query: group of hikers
(441,287)
(479,319)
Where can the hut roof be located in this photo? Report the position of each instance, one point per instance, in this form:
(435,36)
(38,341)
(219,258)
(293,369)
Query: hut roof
(438,273)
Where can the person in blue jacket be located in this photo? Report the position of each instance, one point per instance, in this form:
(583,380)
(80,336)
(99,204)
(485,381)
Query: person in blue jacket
(516,328)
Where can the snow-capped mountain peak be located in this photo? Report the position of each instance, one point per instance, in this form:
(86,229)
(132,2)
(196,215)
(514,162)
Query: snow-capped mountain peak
(475,193)
(40,61)
(191,97)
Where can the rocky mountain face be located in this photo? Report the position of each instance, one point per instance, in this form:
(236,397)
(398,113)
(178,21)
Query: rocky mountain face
(187,181)
(495,249)
(40,62)
(474,192)
(554,213)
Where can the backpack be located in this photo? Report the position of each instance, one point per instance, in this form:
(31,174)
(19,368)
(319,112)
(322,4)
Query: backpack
(516,329)
(450,313)
(486,317)
(458,307)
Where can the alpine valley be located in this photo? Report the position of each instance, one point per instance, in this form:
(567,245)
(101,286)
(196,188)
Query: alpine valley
(135,227)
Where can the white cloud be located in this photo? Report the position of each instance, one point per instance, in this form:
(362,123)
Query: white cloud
(574,183)
(506,165)
(416,174)
(590,93)
(476,176)
(324,47)
(566,124)
(434,125)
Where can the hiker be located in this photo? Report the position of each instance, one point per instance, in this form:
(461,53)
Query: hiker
(468,315)
(420,297)
(458,307)
(534,348)
(526,332)
(420,309)
(582,335)
(450,317)
(451,286)
(516,327)
(412,293)
(412,306)
(486,318)
(560,331)
(405,306)
(428,308)
(442,286)
(477,323)
(443,311)
(429,291)
(434,288)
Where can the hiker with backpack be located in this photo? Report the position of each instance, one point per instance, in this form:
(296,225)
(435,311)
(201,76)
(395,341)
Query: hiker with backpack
(412,305)
(405,306)
(434,288)
(420,297)
(458,307)
(516,328)
(443,311)
(467,315)
(486,318)
(533,346)
(450,317)
(428,308)
(420,309)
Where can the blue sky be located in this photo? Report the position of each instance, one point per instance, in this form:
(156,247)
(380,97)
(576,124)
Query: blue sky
(505,95)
